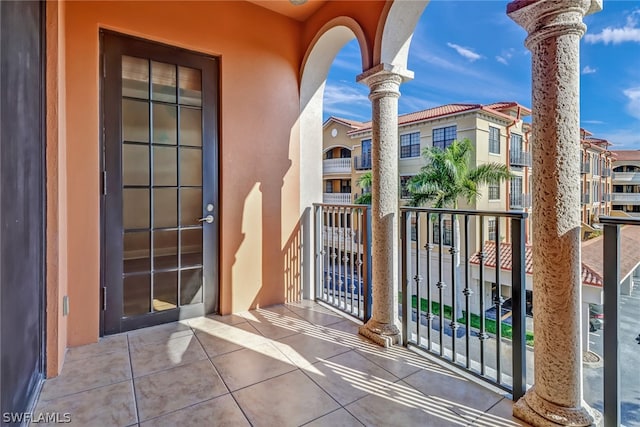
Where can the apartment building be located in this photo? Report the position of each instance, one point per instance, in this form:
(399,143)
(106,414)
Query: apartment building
(498,134)
(626,182)
(595,185)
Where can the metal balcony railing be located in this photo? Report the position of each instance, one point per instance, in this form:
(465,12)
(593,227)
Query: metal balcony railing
(439,314)
(585,167)
(611,311)
(343,258)
(519,201)
(606,172)
(362,163)
(520,158)
(336,198)
(341,165)
(585,198)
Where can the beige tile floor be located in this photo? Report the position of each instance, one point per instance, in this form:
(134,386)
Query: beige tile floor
(287,365)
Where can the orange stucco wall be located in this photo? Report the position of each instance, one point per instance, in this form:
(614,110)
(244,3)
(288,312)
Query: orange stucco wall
(260,54)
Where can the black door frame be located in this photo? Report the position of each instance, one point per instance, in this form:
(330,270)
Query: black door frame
(10,332)
(112,294)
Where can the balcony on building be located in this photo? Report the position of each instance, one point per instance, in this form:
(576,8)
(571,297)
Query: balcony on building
(336,166)
(519,201)
(585,167)
(337,198)
(626,177)
(519,158)
(362,163)
(626,198)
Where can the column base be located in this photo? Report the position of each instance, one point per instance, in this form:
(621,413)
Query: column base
(539,412)
(384,334)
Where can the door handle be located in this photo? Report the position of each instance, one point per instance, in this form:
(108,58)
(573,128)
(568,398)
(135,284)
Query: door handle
(208,219)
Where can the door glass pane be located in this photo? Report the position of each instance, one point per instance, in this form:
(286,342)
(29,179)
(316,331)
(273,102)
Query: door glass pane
(135,77)
(190,166)
(191,286)
(191,247)
(190,126)
(165,124)
(190,205)
(165,207)
(165,170)
(135,164)
(135,121)
(137,256)
(165,250)
(137,294)
(165,291)
(135,208)
(190,86)
(163,81)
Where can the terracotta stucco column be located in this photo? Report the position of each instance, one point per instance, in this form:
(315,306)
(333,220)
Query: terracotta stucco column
(554,30)
(384,82)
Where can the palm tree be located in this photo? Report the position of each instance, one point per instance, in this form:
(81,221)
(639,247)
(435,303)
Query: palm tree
(447,177)
(364,182)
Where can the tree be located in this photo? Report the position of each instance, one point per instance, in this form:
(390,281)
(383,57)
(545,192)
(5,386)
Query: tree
(364,182)
(448,177)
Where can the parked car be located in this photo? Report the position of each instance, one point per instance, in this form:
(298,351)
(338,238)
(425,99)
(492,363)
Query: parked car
(596,317)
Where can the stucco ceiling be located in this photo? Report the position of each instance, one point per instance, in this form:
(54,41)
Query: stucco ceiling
(285,7)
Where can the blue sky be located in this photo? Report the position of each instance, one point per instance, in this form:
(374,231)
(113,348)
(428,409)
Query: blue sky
(471,52)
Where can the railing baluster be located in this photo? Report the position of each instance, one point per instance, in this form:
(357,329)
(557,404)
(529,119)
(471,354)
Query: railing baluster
(518,302)
(467,293)
(440,284)
(406,273)
(429,247)
(367,264)
(498,304)
(352,270)
(418,277)
(343,258)
(454,290)
(482,336)
(612,325)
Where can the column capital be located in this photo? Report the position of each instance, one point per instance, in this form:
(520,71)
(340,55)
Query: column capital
(385,79)
(551,18)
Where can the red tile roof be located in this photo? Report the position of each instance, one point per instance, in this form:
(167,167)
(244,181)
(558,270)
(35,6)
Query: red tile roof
(348,122)
(627,155)
(445,110)
(590,276)
(592,255)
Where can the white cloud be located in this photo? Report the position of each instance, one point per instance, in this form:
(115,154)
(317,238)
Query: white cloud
(346,100)
(465,52)
(633,105)
(588,70)
(502,60)
(629,33)
(623,139)
(593,122)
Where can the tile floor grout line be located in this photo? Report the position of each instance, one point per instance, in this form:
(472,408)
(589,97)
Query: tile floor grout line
(133,384)
(81,391)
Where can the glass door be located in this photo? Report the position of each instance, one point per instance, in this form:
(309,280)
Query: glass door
(160,234)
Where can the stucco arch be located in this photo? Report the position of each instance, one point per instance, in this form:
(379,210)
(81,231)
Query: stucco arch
(315,68)
(395,30)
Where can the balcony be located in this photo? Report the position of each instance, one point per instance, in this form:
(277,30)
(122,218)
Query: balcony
(628,198)
(606,197)
(520,158)
(585,167)
(282,365)
(606,172)
(336,166)
(585,198)
(519,201)
(362,163)
(626,177)
(336,198)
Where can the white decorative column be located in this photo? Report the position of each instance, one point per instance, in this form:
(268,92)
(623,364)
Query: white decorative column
(554,30)
(384,82)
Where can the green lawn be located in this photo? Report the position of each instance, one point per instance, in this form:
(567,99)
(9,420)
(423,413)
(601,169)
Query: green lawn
(489,325)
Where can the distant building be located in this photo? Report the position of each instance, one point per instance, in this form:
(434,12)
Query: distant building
(626,182)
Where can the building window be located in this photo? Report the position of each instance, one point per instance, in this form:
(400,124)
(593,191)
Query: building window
(494,191)
(366,154)
(345,186)
(329,155)
(492,229)
(328,186)
(444,137)
(404,193)
(345,153)
(516,143)
(494,140)
(446,232)
(410,145)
